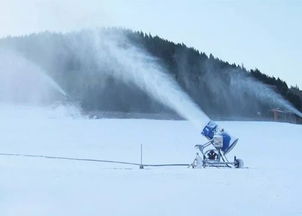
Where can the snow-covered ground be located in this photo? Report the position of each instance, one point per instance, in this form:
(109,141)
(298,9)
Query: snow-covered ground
(271,185)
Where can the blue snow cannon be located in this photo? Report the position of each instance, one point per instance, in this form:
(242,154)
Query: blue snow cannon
(222,142)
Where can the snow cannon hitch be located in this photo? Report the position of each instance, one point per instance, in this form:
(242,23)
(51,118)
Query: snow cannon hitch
(214,152)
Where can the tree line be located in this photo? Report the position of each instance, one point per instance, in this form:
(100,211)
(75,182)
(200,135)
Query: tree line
(221,89)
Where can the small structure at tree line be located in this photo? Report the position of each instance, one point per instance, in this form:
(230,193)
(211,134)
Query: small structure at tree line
(285,116)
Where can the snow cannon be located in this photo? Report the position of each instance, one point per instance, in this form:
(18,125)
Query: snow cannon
(214,152)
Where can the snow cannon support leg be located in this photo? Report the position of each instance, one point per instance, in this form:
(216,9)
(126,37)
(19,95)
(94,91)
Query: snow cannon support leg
(238,163)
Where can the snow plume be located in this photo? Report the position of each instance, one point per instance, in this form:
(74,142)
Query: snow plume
(242,83)
(132,65)
(24,82)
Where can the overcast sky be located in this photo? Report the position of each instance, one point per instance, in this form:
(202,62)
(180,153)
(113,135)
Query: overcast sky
(266,34)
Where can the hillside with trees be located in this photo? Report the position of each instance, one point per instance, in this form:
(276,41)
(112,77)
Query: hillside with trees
(218,87)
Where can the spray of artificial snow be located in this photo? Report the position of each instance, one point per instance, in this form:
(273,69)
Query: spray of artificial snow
(261,91)
(25,89)
(24,82)
(129,64)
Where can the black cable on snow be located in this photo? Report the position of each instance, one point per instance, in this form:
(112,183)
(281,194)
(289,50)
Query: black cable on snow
(164,165)
(69,158)
(90,160)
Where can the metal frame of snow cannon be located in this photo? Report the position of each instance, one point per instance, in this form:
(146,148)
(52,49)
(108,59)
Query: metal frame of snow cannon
(214,151)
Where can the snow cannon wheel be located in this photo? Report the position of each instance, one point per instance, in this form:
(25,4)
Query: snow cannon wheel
(238,163)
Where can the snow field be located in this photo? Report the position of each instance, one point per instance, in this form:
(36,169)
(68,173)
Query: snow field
(36,186)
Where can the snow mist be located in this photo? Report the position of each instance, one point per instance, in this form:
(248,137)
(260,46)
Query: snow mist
(242,83)
(23,82)
(133,65)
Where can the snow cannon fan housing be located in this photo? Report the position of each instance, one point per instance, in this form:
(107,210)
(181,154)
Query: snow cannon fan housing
(214,151)
(220,138)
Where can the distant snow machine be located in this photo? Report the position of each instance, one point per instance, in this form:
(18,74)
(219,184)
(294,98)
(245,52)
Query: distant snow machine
(214,151)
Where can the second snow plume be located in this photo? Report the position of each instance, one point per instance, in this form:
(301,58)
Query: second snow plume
(241,83)
(24,82)
(132,65)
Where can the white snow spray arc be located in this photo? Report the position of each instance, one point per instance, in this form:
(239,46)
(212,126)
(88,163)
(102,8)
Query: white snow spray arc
(22,81)
(133,65)
(261,91)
